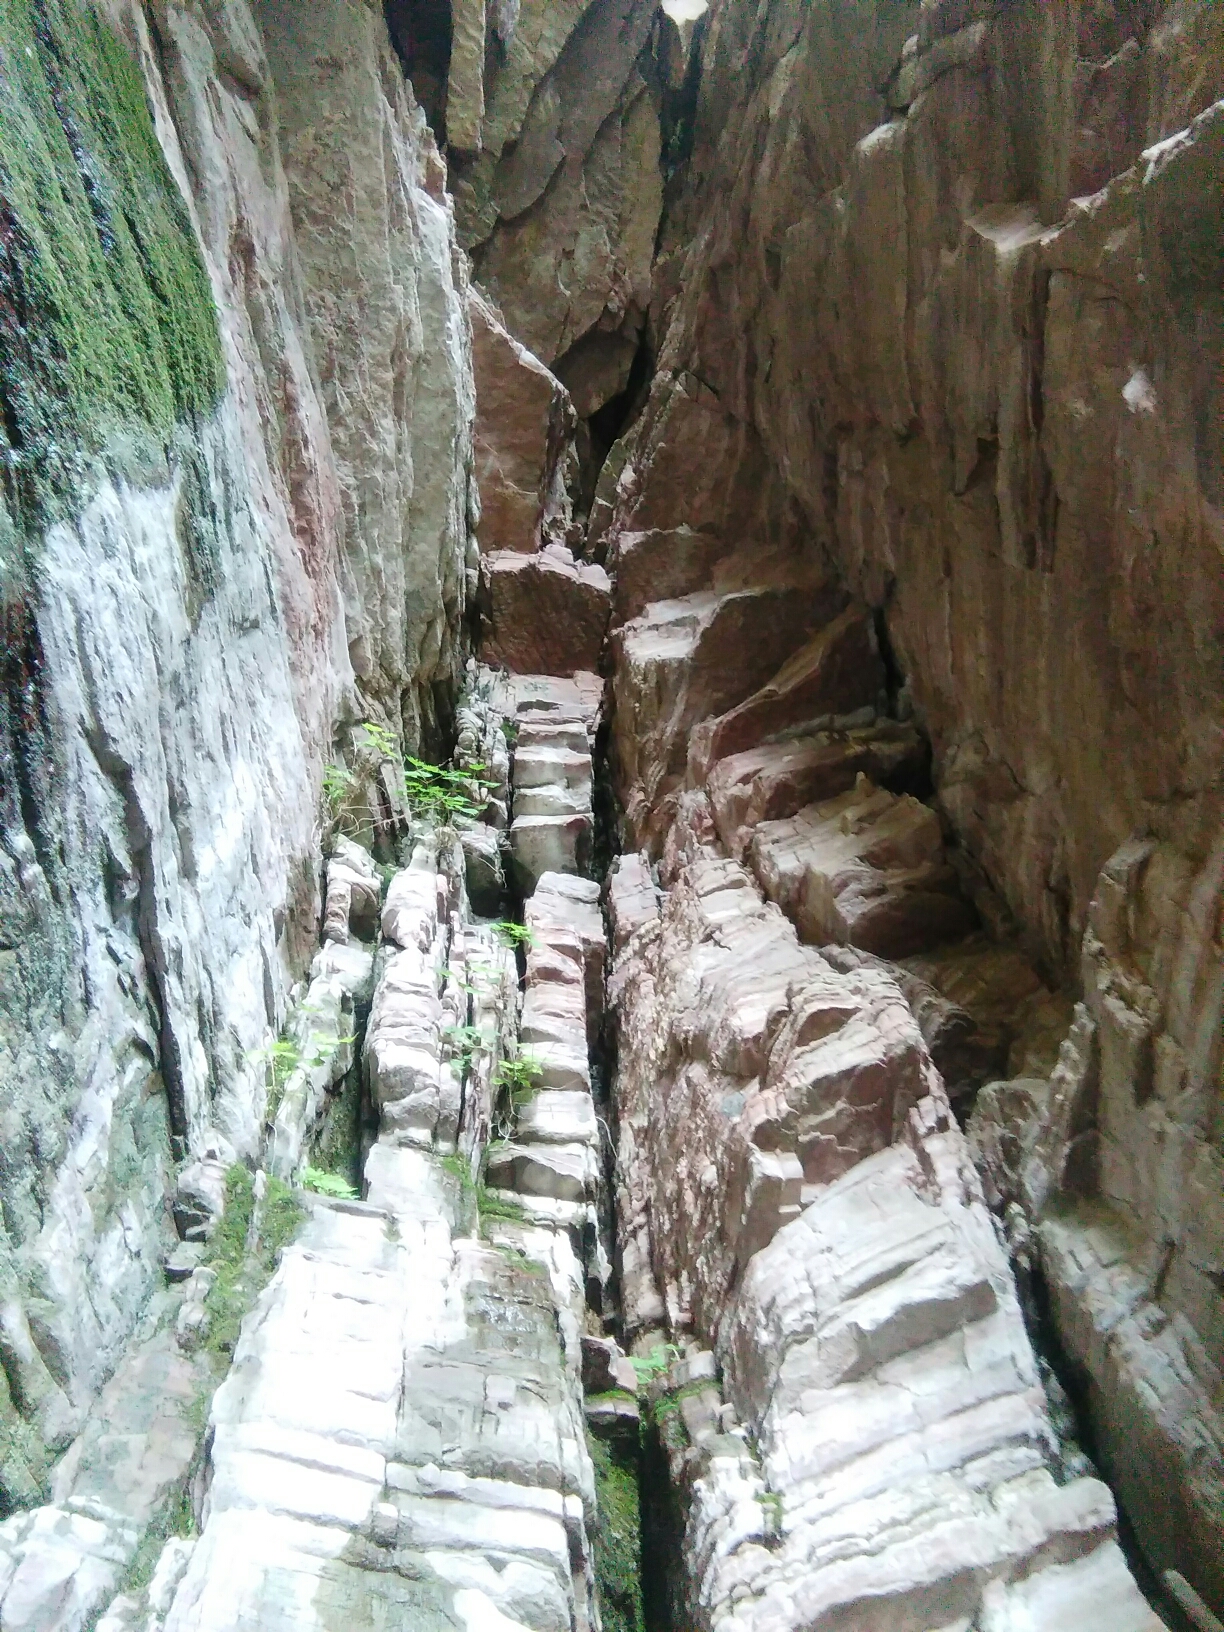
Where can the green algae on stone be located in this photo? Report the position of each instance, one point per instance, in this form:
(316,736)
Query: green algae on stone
(618,1534)
(108,330)
(243,1258)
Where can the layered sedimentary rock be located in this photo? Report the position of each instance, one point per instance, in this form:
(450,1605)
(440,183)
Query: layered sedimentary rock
(401,1435)
(796,1195)
(895,608)
(925,320)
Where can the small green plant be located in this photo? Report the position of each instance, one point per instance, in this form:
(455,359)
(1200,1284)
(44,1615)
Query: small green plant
(468,1043)
(510,731)
(513,935)
(327,1184)
(337,785)
(515,1084)
(520,1075)
(340,784)
(380,739)
(771,1502)
(649,1366)
(284,1056)
(437,794)
(476,977)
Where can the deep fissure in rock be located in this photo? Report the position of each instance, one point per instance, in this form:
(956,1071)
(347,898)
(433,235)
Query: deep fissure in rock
(611,972)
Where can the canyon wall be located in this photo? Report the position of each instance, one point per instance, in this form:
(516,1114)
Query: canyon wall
(937,315)
(238,406)
(771,1065)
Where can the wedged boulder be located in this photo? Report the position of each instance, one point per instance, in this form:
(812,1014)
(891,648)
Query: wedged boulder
(548,699)
(524,425)
(554,1004)
(482,867)
(837,672)
(606,1367)
(867,868)
(544,613)
(778,779)
(564,1064)
(353,894)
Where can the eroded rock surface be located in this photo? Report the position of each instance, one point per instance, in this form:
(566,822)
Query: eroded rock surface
(794,1191)
(188,621)
(833,443)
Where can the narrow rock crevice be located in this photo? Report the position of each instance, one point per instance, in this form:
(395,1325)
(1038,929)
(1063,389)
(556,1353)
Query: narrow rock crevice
(611,967)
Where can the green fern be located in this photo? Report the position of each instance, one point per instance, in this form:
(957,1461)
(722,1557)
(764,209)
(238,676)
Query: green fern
(327,1184)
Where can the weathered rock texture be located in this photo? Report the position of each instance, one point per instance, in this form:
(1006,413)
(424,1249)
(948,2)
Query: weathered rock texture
(207,600)
(795,1193)
(524,430)
(400,1440)
(938,320)
(555,142)
(896,605)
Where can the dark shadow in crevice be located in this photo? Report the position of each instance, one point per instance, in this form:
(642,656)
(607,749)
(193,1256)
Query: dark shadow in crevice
(1043,1334)
(421,34)
(663,1607)
(610,422)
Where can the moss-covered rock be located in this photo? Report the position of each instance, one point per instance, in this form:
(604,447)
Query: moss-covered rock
(108,330)
(243,1253)
(618,1534)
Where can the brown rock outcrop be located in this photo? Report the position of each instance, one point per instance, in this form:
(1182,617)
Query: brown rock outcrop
(837,672)
(902,332)
(524,427)
(794,1192)
(681,661)
(867,869)
(555,167)
(544,613)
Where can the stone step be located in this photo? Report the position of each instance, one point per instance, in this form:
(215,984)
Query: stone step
(866,869)
(559,1116)
(565,1172)
(549,844)
(544,765)
(546,732)
(552,799)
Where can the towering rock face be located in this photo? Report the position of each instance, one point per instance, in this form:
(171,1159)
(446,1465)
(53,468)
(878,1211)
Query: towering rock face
(263,540)
(552,116)
(825,470)
(937,314)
